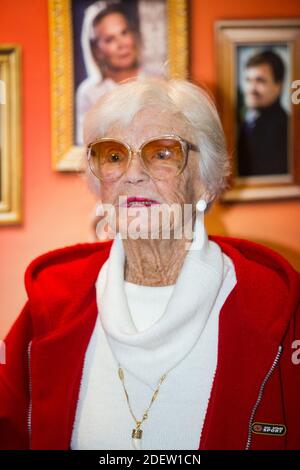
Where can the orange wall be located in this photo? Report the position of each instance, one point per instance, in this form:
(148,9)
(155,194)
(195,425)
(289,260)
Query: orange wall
(57,207)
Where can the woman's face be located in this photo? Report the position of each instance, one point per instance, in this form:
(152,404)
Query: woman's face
(136,183)
(115,42)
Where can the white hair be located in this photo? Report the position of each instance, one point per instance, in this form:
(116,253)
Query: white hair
(195,106)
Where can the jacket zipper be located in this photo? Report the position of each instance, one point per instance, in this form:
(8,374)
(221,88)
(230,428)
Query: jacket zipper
(30,397)
(260,394)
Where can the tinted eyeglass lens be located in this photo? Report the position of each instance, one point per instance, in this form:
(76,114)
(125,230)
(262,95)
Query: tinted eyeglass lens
(163,157)
(108,159)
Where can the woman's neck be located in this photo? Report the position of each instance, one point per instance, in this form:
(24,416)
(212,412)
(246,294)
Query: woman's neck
(154,262)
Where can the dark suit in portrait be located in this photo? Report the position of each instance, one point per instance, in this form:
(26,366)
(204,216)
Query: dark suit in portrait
(263,143)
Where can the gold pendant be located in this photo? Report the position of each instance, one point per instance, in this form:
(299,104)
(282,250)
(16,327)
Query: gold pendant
(137,438)
(137,433)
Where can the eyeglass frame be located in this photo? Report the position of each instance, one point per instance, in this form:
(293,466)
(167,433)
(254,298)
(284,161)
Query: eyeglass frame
(186,146)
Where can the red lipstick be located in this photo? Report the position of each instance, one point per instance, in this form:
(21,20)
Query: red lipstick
(139,201)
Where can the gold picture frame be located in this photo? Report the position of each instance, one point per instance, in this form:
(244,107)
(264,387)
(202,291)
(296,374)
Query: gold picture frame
(66,156)
(231,37)
(10,135)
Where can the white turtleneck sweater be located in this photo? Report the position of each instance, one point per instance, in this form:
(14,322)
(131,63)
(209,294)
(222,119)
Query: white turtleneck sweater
(150,331)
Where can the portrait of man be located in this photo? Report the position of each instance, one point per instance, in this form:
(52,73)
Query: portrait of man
(262,146)
(112,45)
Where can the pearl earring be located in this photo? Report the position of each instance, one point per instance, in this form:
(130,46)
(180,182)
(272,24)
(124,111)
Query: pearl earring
(201,205)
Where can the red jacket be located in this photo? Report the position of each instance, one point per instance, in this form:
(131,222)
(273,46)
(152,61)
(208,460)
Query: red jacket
(256,379)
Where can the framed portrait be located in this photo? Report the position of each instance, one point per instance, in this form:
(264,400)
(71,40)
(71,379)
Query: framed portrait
(258,63)
(94,45)
(10,136)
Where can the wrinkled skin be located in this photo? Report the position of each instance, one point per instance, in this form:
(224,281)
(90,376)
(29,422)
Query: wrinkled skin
(154,262)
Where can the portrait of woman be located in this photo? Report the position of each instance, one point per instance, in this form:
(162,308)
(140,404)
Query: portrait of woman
(113,50)
(155,342)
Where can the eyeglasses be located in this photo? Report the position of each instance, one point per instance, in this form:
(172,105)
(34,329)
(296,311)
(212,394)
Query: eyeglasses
(162,157)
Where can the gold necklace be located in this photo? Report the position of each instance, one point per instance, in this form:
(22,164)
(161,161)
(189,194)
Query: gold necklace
(137,432)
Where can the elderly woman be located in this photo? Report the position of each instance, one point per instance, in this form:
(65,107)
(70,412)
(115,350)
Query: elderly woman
(150,341)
